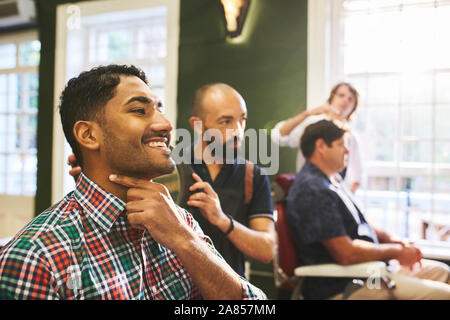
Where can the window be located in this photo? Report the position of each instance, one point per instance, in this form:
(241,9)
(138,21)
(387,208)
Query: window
(142,33)
(396,53)
(19,81)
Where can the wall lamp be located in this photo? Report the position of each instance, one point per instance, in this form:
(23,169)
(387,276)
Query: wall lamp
(235,13)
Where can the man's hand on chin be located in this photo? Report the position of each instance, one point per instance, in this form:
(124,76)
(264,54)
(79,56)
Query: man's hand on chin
(150,206)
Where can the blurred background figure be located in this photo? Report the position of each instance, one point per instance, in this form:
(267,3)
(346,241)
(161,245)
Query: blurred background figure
(340,107)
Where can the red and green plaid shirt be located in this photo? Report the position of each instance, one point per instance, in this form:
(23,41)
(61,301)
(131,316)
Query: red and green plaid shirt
(83,248)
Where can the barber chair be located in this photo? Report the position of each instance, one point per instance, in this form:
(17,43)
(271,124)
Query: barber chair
(289,276)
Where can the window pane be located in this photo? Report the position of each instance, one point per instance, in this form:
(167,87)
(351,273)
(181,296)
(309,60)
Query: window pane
(441,202)
(383,90)
(442,45)
(152,42)
(416,200)
(382,122)
(442,152)
(7,56)
(416,121)
(383,28)
(356,44)
(3,103)
(381,183)
(156,75)
(2,166)
(442,122)
(29,53)
(14,176)
(443,87)
(417,38)
(29,184)
(416,151)
(29,141)
(3,122)
(379,150)
(33,82)
(3,83)
(13,92)
(442,185)
(120,45)
(417,89)
(421,183)
(3,146)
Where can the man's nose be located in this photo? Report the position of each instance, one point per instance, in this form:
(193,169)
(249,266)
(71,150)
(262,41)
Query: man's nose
(160,123)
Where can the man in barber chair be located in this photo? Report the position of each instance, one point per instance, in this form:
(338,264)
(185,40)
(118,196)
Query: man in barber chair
(329,227)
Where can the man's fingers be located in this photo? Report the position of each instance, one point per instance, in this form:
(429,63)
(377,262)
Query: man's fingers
(200,196)
(75,172)
(205,186)
(195,203)
(136,220)
(196,177)
(72,161)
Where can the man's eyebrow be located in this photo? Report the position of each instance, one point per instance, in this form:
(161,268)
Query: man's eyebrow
(225,117)
(141,99)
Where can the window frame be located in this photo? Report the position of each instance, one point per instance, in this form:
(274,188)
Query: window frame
(60,176)
(323,70)
(17,210)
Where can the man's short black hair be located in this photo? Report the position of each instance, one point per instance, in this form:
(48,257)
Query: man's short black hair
(85,96)
(323,129)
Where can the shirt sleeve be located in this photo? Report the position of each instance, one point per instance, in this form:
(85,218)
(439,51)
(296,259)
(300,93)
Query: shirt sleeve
(261,204)
(314,216)
(249,291)
(293,138)
(25,274)
(354,167)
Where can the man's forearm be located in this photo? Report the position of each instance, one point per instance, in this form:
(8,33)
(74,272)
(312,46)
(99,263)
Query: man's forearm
(366,251)
(212,275)
(347,251)
(259,245)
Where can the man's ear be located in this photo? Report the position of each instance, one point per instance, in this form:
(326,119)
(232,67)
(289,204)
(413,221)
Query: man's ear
(88,134)
(320,145)
(196,124)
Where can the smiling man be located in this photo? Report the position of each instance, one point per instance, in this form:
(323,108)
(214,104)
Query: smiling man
(118,235)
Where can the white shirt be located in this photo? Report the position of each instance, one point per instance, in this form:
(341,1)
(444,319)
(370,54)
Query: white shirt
(354,165)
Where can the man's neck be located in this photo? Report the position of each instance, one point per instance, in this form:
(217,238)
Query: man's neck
(101,178)
(322,167)
(213,168)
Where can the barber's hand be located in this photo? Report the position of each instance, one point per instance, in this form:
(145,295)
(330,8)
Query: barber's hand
(150,206)
(325,109)
(409,256)
(208,202)
(76,170)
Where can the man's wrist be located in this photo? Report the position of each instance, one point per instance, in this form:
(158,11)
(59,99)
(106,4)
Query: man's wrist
(231,226)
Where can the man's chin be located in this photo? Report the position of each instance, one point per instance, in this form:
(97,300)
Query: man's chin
(153,172)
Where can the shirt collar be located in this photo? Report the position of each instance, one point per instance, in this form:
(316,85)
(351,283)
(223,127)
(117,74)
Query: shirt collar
(313,169)
(101,206)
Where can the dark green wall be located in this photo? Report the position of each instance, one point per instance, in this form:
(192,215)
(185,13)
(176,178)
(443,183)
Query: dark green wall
(267,66)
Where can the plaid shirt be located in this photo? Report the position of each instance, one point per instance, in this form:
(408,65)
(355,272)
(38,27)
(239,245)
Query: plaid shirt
(83,248)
